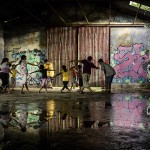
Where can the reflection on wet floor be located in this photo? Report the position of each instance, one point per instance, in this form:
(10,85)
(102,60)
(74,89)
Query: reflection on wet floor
(117,121)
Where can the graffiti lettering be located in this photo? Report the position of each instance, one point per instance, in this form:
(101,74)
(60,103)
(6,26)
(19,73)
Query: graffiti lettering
(130,64)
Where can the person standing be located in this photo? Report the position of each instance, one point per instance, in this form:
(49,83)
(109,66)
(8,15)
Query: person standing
(79,77)
(65,77)
(50,74)
(24,72)
(87,66)
(44,77)
(4,73)
(13,72)
(109,73)
(74,82)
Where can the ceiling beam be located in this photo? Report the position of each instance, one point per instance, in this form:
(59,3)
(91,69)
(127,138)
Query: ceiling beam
(48,3)
(83,24)
(82,11)
(30,13)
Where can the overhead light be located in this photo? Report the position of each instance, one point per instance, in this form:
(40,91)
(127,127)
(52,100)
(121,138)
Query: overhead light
(11,19)
(140,6)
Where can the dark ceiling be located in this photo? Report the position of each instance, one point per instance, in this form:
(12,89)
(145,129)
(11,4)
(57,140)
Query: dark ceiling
(67,12)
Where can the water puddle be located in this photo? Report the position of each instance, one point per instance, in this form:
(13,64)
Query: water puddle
(121,121)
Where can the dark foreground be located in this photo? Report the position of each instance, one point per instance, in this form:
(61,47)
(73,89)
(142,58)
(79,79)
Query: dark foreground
(73,121)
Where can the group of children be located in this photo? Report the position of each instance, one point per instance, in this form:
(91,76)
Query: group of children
(81,77)
(9,68)
(77,77)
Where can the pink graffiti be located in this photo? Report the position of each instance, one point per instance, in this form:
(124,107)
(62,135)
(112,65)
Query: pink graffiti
(128,113)
(130,62)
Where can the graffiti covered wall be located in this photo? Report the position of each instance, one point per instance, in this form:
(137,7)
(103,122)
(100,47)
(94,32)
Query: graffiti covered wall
(29,41)
(130,54)
(34,56)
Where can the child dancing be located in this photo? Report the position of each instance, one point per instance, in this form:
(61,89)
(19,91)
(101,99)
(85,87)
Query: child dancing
(44,77)
(65,75)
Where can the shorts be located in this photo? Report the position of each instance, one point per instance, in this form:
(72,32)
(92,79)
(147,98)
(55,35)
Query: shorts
(80,82)
(86,79)
(74,80)
(44,82)
(5,79)
(13,81)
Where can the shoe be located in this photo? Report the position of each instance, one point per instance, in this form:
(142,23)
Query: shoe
(81,92)
(22,92)
(61,91)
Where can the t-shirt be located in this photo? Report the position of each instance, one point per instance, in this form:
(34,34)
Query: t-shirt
(79,73)
(49,66)
(44,73)
(65,75)
(4,67)
(14,72)
(87,66)
(108,69)
(75,72)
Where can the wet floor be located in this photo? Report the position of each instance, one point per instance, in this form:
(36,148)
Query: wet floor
(99,121)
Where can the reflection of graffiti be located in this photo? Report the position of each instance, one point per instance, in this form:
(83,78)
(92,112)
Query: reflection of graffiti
(148,71)
(129,110)
(130,64)
(33,56)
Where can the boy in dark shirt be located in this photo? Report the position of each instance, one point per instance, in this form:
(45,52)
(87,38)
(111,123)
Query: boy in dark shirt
(87,66)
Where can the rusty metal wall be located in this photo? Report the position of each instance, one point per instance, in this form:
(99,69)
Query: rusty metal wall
(61,48)
(94,41)
(67,43)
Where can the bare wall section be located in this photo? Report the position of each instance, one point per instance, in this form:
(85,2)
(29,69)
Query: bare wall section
(1,44)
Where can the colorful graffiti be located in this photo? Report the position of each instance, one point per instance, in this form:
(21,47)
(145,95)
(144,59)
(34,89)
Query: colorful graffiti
(130,64)
(34,56)
(148,71)
(129,110)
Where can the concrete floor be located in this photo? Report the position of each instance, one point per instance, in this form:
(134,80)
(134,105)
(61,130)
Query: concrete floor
(73,121)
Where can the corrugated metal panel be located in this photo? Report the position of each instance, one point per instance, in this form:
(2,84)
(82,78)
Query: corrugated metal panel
(67,43)
(94,41)
(61,48)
